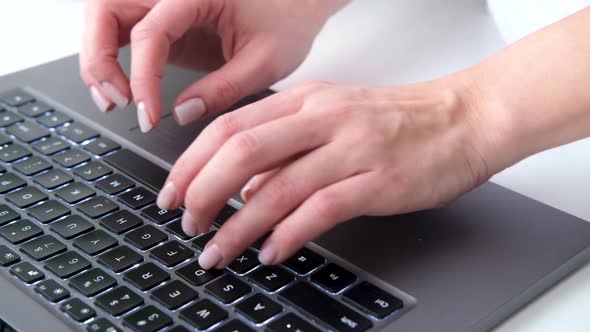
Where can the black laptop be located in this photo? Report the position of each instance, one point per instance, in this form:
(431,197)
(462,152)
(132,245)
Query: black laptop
(83,247)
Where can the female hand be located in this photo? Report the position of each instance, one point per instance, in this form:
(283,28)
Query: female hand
(329,153)
(249,44)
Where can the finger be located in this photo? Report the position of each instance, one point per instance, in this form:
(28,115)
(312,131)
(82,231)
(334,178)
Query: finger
(320,212)
(291,186)
(255,183)
(241,157)
(99,67)
(214,136)
(246,73)
(150,45)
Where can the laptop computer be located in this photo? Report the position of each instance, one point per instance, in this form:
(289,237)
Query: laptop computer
(84,248)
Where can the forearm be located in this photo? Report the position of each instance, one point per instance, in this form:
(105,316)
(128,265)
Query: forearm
(535,94)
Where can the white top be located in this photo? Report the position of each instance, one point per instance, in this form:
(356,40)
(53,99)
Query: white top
(517,18)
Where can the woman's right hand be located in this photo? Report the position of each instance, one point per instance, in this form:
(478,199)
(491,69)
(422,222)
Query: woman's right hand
(249,45)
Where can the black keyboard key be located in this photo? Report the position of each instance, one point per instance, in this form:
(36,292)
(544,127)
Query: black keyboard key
(333,278)
(245,262)
(13,152)
(26,272)
(196,275)
(72,226)
(52,179)
(120,259)
(26,197)
(48,211)
(236,325)
(373,300)
(203,314)
(7,214)
(78,310)
(121,221)
(172,253)
(228,289)
(75,193)
(148,319)
(50,146)
(137,198)
(160,216)
(92,282)
(202,240)
(52,291)
(146,276)
(34,109)
(43,247)
(102,325)
(114,184)
(97,207)
(119,301)
(9,182)
(324,308)
(5,140)
(71,158)
(174,295)
(92,171)
(7,256)
(259,308)
(77,132)
(290,322)
(271,278)
(175,228)
(146,237)
(95,242)
(16,97)
(68,264)
(224,215)
(8,119)
(179,329)
(32,166)
(139,167)
(54,119)
(101,146)
(28,132)
(20,231)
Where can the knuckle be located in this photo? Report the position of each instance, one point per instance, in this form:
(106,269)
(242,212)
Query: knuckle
(280,192)
(225,126)
(326,205)
(245,146)
(143,31)
(227,91)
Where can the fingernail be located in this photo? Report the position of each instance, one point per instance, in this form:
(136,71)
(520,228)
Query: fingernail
(189,111)
(189,224)
(145,124)
(267,255)
(246,192)
(210,257)
(101,102)
(114,94)
(167,197)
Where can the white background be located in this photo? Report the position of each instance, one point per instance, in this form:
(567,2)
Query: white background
(380,42)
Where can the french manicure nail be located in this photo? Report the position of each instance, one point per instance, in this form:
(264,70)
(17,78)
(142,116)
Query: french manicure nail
(189,224)
(167,196)
(145,124)
(210,257)
(101,102)
(246,192)
(189,111)
(267,255)
(114,94)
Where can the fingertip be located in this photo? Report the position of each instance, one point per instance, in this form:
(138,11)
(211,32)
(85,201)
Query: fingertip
(168,196)
(189,224)
(102,102)
(189,111)
(115,94)
(268,254)
(143,118)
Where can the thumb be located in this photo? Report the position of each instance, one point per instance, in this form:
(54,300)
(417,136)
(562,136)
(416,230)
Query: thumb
(248,72)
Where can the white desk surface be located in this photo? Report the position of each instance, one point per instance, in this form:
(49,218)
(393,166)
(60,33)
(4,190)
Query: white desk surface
(375,42)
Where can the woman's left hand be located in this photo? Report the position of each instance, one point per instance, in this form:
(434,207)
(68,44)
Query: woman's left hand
(328,153)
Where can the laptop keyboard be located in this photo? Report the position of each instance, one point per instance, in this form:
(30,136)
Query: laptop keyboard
(88,239)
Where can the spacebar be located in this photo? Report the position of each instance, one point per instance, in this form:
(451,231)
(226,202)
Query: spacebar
(138,167)
(324,308)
